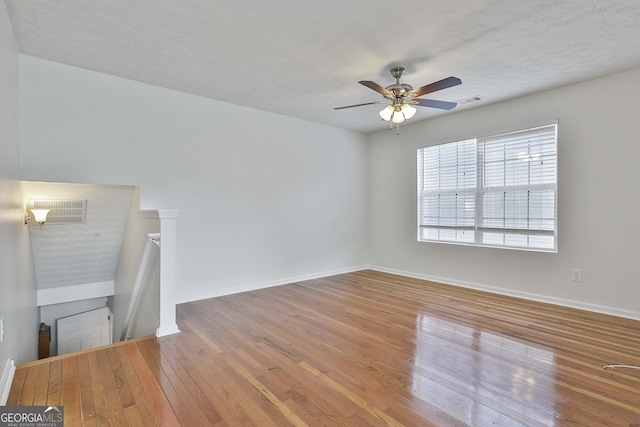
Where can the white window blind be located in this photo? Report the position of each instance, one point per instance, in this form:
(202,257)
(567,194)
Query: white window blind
(492,191)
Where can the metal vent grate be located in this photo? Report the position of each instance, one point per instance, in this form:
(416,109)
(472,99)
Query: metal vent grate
(62,211)
(471,100)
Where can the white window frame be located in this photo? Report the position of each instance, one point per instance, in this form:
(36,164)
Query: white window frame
(452,212)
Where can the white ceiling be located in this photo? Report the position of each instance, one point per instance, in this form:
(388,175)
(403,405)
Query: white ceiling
(302,58)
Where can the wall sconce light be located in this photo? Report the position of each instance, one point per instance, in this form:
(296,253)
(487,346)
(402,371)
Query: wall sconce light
(39,217)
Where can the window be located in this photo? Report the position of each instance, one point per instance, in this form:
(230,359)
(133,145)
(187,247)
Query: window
(493,191)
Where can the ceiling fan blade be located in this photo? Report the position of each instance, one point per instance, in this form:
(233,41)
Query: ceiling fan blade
(435,86)
(360,105)
(443,105)
(375,86)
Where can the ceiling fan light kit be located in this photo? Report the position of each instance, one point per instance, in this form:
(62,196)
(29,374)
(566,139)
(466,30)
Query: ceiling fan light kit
(403,97)
(397,113)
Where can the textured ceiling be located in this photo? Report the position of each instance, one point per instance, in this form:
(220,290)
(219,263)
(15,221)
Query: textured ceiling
(302,58)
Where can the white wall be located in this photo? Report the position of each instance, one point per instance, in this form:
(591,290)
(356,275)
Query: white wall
(598,206)
(17,279)
(263,198)
(147,313)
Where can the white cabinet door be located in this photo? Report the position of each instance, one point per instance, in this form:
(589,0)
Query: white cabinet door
(85,330)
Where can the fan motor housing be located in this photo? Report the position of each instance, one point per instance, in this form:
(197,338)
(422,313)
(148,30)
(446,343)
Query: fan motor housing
(399,89)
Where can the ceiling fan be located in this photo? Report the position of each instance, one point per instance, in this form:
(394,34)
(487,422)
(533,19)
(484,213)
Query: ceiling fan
(403,97)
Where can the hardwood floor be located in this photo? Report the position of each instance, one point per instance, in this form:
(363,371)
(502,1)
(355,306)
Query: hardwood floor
(358,349)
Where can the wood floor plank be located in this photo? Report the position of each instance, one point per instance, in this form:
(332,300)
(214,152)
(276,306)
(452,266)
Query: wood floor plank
(358,349)
(28,387)
(111,388)
(42,385)
(119,380)
(160,405)
(100,399)
(55,384)
(87,402)
(16,387)
(133,417)
(143,411)
(70,393)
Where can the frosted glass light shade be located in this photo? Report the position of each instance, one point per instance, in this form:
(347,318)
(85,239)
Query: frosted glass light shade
(397,117)
(397,113)
(386,113)
(40,215)
(408,111)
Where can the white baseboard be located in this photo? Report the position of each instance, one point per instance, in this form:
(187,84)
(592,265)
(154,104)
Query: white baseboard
(6,380)
(596,308)
(277,282)
(164,331)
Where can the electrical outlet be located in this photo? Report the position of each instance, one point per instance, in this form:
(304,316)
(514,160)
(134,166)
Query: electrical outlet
(576,275)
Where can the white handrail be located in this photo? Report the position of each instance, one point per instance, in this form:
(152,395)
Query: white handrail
(152,238)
